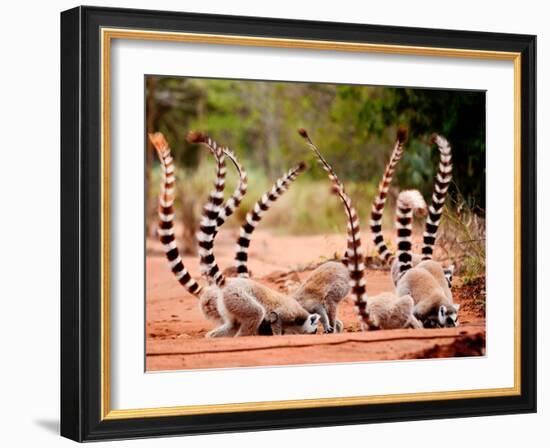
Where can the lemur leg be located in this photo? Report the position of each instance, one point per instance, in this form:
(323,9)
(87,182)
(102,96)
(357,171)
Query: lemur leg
(337,292)
(325,321)
(227,329)
(246,310)
(251,325)
(413,322)
(208,304)
(335,323)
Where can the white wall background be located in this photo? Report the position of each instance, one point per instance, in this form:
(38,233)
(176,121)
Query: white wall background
(29,243)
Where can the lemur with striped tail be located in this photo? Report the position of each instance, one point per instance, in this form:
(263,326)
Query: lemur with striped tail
(386,310)
(234,201)
(327,304)
(389,310)
(329,281)
(254,216)
(239,305)
(442,181)
(441,185)
(380,199)
(425,283)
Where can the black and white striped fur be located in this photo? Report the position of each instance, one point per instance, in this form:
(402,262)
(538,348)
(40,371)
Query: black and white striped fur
(354,252)
(388,310)
(254,216)
(442,181)
(425,283)
(166,216)
(408,203)
(441,186)
(380,199)
(234,201)
(211,211)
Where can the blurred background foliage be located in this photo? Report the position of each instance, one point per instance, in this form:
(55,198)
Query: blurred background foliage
(354,127)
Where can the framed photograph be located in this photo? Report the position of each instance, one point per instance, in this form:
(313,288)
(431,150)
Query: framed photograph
(277,224)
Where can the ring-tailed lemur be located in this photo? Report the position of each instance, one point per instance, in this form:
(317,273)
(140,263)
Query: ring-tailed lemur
(441,185)
(240,305)
(387,311)
(354,256)
(442,181)
(254,216)
(322,292)
(234,201)
(328,283)
(210,213)
(165,229)
(380,199)
(425,283)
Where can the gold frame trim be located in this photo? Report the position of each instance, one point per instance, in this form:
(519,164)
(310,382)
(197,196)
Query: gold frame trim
(107,35)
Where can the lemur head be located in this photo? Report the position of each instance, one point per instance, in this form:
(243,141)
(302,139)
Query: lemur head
(449,271)
(444,316)
(302,324)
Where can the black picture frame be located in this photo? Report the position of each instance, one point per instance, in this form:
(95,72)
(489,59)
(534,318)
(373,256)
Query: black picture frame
(81,220)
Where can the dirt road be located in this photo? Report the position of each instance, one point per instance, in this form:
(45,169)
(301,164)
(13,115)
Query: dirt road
(175,328)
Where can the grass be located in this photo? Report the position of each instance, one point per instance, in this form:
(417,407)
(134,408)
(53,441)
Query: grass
(462,237)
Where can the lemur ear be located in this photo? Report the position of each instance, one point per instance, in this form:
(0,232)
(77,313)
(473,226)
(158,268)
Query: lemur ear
(441,315)
(457,307)
(272,317)
(451,269)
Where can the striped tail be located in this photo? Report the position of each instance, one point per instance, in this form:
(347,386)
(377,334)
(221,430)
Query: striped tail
(380,200)
(408,202)
(354,253)
(235,200)
(166,215)
(441,185)
(254,216)
(211,211)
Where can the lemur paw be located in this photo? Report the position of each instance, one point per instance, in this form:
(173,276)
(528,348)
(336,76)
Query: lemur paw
(329,330)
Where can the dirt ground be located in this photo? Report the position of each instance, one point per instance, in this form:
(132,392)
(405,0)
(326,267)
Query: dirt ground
(175,327)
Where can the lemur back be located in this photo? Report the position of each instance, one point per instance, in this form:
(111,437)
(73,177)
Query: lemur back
(438,273)
(388,311)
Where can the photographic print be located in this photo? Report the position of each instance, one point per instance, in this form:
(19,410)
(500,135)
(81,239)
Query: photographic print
(294,223)
(343,212)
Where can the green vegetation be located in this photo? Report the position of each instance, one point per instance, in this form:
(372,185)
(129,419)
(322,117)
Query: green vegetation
(353,125)
(462,239)
(307,207)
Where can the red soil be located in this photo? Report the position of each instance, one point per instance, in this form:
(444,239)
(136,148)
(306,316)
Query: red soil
(175,327)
